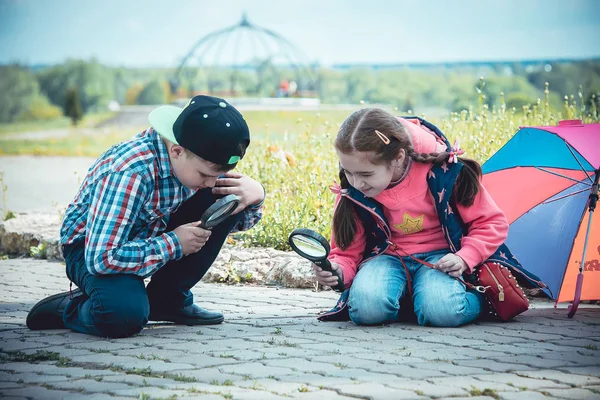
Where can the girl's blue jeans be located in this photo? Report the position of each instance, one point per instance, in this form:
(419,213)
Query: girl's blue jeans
(438,298)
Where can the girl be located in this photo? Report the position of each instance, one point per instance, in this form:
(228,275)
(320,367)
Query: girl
(405,198)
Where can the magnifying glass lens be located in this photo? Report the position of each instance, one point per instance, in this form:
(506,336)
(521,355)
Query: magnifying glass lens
(225,210)
(219,211)
(309,246)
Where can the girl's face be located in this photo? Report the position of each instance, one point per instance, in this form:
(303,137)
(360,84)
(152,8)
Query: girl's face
(371,179)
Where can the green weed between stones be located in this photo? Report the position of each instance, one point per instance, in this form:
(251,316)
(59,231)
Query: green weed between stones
(485,392)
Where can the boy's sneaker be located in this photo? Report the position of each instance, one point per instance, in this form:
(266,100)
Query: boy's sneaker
(190,315)
(48,313)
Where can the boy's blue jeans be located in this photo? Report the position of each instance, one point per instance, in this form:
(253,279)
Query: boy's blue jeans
(118,305)
(438,298)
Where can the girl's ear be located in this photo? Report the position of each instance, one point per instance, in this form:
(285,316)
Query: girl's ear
(398,161)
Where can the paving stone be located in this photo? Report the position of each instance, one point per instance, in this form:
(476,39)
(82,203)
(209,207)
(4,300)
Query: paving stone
(302,365)
(587,370)
(315,380)
(256,370)
(130,363)
(38,392)
(529,395)
(578,357)
(520,382)
(150,392)
(33,378)
(322,395)
(468,383)
(137,380)
(51,369)
(376,391)
(574,394)
(87,386)
(279,350)
(448,368)
(276,386)
(361,375)
(561,377)
(468,398)
(196,389)
(536,362)
(578,343)
(9,385)
(426,389)
(486,365)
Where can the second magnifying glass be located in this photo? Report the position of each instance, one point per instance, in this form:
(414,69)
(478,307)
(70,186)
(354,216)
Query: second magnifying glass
(314,247)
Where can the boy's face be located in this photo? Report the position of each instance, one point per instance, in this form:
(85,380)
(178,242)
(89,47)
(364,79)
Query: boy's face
(192,171)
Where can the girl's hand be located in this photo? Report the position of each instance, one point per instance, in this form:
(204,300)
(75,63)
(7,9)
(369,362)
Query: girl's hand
(326,278)
(451,264)
(247,189)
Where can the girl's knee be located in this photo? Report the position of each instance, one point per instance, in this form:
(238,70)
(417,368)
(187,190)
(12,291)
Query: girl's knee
(372,308)
(449,312)
(442,320)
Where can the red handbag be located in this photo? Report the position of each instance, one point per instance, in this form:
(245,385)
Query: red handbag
(503,293)
(505,297)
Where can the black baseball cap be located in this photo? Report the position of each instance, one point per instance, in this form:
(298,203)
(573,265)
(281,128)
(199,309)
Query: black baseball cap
(207,126)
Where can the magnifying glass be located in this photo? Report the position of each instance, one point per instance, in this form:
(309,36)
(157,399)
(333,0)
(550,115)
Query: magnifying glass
(219,211)
(314,247)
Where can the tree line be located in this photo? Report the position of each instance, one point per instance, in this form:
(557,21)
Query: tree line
(78,87)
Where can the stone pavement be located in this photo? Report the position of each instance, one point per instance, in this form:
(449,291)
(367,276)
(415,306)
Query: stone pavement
(272,347)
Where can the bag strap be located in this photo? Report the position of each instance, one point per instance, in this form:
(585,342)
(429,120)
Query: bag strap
(398,249)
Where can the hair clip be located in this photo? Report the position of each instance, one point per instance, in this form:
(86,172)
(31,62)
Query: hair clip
(335,188)
(454,152)
(383,138)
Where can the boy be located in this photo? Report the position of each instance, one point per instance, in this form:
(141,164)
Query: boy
(136,215)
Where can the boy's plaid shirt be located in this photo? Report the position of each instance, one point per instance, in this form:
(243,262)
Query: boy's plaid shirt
(123,207)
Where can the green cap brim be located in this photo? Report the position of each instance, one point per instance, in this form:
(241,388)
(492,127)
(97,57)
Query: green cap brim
(162,120)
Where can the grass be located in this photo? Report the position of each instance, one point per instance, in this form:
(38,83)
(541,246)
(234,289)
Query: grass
(30,126)
(38,356)
(292,155)
(474,392)
(216,382)
(89,121)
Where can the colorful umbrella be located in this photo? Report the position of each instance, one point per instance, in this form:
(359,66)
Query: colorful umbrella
(545,179)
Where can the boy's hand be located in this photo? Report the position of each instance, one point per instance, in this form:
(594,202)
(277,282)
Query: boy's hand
(247,189)
(451,264)
(192,237)
(326,278)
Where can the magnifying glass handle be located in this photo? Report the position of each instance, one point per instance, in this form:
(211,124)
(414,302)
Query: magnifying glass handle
(326,266)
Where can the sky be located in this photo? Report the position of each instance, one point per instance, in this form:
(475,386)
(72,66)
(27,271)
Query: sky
(162,32)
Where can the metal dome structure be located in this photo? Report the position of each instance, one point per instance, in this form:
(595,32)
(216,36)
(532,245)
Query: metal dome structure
(261,59)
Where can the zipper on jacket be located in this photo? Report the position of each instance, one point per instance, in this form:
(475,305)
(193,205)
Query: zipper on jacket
(500,288)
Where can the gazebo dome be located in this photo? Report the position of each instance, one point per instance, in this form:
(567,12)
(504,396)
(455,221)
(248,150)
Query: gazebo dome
(244,59)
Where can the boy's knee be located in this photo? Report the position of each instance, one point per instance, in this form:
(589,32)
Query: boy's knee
(121,319)
(371,308)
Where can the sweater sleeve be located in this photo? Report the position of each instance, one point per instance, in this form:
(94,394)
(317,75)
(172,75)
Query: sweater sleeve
(487,229)
(349,258)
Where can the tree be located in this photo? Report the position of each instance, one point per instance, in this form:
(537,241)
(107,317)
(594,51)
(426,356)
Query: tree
(73,105)
(152,93)
(95,81)
(18,89)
